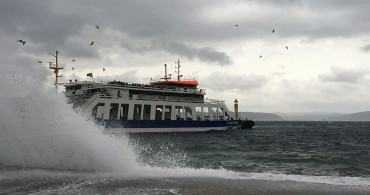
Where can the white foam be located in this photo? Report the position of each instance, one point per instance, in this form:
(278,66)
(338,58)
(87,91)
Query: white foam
(39,130)
(148,171)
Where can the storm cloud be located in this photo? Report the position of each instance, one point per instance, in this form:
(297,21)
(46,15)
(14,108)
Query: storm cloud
(218,41)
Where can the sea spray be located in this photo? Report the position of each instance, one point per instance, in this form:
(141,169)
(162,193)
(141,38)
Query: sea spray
(39,130)
(160,150)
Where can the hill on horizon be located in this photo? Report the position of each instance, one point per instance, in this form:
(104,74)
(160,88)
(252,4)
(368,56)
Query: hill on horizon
(310,116)
(260,116)
(358,116)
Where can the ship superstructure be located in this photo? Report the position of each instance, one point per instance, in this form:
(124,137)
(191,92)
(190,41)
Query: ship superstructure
(163,105)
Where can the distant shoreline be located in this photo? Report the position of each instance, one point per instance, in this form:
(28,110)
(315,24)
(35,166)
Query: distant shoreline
(314,116)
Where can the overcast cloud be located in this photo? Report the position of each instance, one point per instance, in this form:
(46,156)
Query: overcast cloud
(219,42)
(348,76)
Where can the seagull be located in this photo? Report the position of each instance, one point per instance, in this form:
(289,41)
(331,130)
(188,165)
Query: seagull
(97,27)
(260,56)
(286,47)
(73,68)
(236,25)
(21,41)
(92,43)
(273,30)
(40,61)
(73,60)
(103,69)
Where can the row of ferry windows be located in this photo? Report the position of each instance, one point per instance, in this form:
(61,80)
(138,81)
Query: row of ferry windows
(145,112)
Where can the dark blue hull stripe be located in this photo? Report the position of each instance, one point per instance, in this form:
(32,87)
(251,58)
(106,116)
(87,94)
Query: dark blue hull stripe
(166,124)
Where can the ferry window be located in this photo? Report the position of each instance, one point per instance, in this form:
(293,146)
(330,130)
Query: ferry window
(221,113)
(146,114)
(215,113)
(206,113)
(188,113)
(227,116)
(167,112)
(113,113)
(198,113)
(158,112)
(137,112)
(123,111)
(98,111)
(179,113)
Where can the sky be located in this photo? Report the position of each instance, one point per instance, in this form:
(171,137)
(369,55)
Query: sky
(316,60)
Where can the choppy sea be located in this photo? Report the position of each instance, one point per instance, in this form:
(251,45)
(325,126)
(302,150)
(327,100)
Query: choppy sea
(47,148)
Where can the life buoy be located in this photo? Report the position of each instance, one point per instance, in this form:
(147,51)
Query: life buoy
(123,83)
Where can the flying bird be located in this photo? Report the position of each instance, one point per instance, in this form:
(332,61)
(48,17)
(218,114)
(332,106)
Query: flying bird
(21,41)
(273,30)
(103,69)
(236,25)
(73,68)
(73,60)
(97,27)
(92,43)
(40,61)
(260,56)
(286,47)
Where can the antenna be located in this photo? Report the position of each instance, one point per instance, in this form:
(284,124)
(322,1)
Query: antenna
(55,67)
(178,70)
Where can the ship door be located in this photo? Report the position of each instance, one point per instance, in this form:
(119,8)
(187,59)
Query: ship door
(137,112)
(167,112)
(221,113)
(179,113)
(205,113)
(188,113)
(198,113)
(158,112)
(215,113)
(146,114)
(123,111)
(113,112)
(98,111)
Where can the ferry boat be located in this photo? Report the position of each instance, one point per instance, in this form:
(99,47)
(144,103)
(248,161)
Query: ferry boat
(162,106)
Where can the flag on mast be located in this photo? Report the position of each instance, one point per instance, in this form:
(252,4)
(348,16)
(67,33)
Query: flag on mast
(89,75)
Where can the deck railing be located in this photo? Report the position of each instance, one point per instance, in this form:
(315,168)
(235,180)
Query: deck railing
(144,86)
(168,98)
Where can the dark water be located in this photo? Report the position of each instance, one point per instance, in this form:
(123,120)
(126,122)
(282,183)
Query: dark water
(292,148)
(272,158)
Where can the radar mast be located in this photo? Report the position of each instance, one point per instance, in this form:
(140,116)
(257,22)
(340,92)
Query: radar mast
(55,67)
(178,70)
